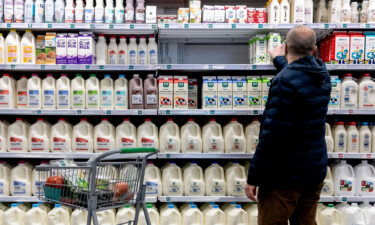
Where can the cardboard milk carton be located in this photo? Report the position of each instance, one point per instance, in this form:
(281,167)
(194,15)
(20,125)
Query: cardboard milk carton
(254,92)
(357,47)
(72,49)
(180,92)
(370,47)
(266,84)
(209,92)
(239,92)
(225,92)
(61,48)
(86,48)
(165,92)
(50,48)
(193,93)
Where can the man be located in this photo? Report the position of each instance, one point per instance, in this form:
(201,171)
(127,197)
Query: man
(290,161)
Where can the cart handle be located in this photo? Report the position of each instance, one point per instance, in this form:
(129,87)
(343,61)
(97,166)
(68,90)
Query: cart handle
(137,150)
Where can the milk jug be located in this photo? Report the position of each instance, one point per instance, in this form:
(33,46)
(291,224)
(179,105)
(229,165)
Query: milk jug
(236,179)
(237,216)
(34,92)
(369,212)
(133,50)
(215,180)
(136,92)
(353,137)
(366,97)
(61,136)
(2,47)
(21,87)
(3,136)
(152,49)
(4,179)
(192,216)
(112,57)
(365,141)
(78,92)
(235,141)
(340,137)
(191,138)
(151,92)
(142,51)
(329,216)
(353,215)
(58,216)
(343,175)
(252,213)
(17,138)
(147,135)
(79,217)
(328,186)
(82,137)
(49,92)
(106,92)
(170,216)
(126,135)
(153,180)
(36,216)
(7,92)
(252,135)
(39,134)
(349,92)
(172,180)
(28,45)
(194,184)
(20,180)
(212,136)
(125,214)
(92,92)
(121,92)
(214,216)
(63,92)
(101,50)
(14,215)
(365,179)
(169,137)
(152,213)
(104,136)
(273,11)
(106,217)
(13,48)
(123,57)
(38,180)
(329,139)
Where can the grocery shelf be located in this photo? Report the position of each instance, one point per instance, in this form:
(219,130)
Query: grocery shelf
(203,199)
(50,155)
(67,112)
(354,198)
(209,67)
(337,155)
(204,156)
(354,111)
(233,112)
(76,67)
(351,67)
(36,199)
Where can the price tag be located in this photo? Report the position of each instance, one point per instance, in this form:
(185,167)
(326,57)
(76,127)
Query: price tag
(79,112)
(210,26)
(212,112)
(9,25)
(49,26)
(168,199)
(131,26)
(92,26)
(210,67)
(110,26)
(344,199)
(254,67)
(234,26)
(140,112)
(260,26)
(256,112)
(72,26)
(153,26)
(326,26)
(367,25)
(350,111)
(42,67)
(38,112)
(367,156)
(131,67)
(369,67)
(344,25)
(87,67)
(109,112)
(13,67)
(101,67)
(166,26)
(30,25)
(186,26)
(340,156)
(63,67)
(168,112)
(169,67)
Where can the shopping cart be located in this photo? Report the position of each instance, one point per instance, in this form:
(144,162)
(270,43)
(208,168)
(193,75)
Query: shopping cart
(98,184)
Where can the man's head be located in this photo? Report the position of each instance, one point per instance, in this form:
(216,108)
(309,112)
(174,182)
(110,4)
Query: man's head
(301,41)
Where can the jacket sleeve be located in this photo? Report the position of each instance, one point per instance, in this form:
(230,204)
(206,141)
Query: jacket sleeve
(280,62)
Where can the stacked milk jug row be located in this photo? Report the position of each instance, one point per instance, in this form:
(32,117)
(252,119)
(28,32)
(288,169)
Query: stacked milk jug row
(20,136)
(78,93)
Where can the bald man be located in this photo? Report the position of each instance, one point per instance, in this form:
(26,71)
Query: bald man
(290,162)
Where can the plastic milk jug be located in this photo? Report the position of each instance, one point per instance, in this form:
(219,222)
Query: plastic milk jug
(79,217)
(142,51)
(82,137)
(236,179)
(104,136)
(7,92)
(92,92)
(121,92)
(194,184)
(14,215)
(3,136)
(369,212)
(106,93)
(38,179)
(34,92)
(192,216)
(17,138)
(58,216)
(13,48)
(273,11)
(344,179)
(21,86)
(2,47)
(235,141)
(252,213)
(170,215)
(214,216)
(28,45)
(252,135)
(328,186)
(78,92)
(191,138)
(63,92)
(133,51)
(215,180)
(340,136)
(365,179)
(366,97)
(61,136)
(126,135)
(112,57)
(39,134)
(20,180)
(147,135)
(123,57)
(125,214)
(152,50)
(329,139)
(101,49)
(151,92)
(153,214)
(212,136)
(329,216)
(353,137)
(365,140)
(106,217)
(349,92)
(4,179)
(136,92)
(153,180)
(49,92)
(169,137)
(353,215)
(172,180)
(237,216)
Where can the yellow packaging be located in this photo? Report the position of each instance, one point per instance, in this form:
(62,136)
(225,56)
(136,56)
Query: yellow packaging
(183,15)
(40,49)
(50,48)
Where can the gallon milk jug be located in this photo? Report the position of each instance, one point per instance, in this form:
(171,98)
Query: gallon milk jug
(194,184)
(192,216)
(92,92)
(366,97)
(151,92)
(61,136)
(21,86)
(353,138)
(4,179)
(3,136)
(170,216)
(126,135)
(106,93)
(236,179)
(58,216)
(14,215)
(79,217)
(121,92)
(147,135)
(319,208)
(125,214)
(214,216)
(38,180)
(349,92)
(152,213)
(329,216)
(83,137)
(63,92)
(18,133)
(365,141)
(234,136)
(39,134)
(169,137)
(212,136)
(36,216)
(20,180)
(13,48)
(136,92)
(369,212)
(106,217)
(328,186)
(329,139)
(7,92)
(28,45)
(237,216)
(49,92)
(343,175)
(172,180)
(340,136)
(252,135)
(252,213)
(364,179)
(215,180)
(104,136)
(34,89)
(191,138)
(353,215)
(153,180)
(78,92)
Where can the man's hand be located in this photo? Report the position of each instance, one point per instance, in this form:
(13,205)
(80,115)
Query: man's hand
(278,51)
(251,192)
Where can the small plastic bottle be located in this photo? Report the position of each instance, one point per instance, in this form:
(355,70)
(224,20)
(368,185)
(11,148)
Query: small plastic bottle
(363,13)
(371,12)
(152,51)
(355,12)
(346,12)
(8,11)
(89,11)
(119,11)
(133,51)
(79,11)
(18,11)
(123,51)
(99,11)
(142,51)
(129,12)
(69,12)
(29,11)
(49,11)
(101,49)
(140,12)
(59,11)
(109,12)
(39,11)
(112,51)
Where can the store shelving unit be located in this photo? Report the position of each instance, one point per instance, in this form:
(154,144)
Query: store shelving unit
(36,199)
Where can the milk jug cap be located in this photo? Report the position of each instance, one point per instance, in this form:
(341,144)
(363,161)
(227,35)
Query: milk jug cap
(43,163)
(343,161)
(215,206)
(49,75)
(352,123)
(92,75)
(104,119)
(148,120)
(35,205)
(132,37)
(172,162)
(20,119)
(64,75)
(12,30)
(83,119)
(13,205)
(107,76)
(149,206)
(215,162)
(24,76)
(151,36)
(366,75)
(136,76)
(238,206)
(143,37)
(34,75)
(61,119)
(233,120)
(212,120)
(6,75)
(22,162)
(256,119)
(122,36)
(354,204)
(193,206)
(170,206)
(101,35)
(339,123)
(113,37)
(193,162)
(28,30)
(78,75)
(40,119)
(348,75)
(191,119)
(364,123)
(126,119)
(57,205)
(330,206)
(150,162)
(127,206)
(121,76)
(170,119)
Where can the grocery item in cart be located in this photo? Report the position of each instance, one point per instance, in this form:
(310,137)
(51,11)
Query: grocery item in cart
(169,137)
(191,137)
(234,137)
(212,136)
(215,180)
(194,184)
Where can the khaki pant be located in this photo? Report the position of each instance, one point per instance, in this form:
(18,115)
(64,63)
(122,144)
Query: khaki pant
(277,206)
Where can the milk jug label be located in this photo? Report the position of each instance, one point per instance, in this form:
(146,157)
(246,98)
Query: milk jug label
(238,187)
(16,144)
(19,187)
(192,145)
(366,143)
(34,97)
(12,54)
(77,97)
(127,142)
(112,57)
(335,93)
(171,144)
(92,97)
(236,146)
(121,57)
(37,144)
(214,146)
(367,186)
(119,16)
(151,99)
(341,142)
(27,54)
(103,144)
(354,141)
(4,97)
(49,97)
(147,142)
(89,15)
(367,101)
(346,185)
(151,188)
(1,188)
(129,15)
(347,97)
(63,97)
(106,98)
(81,144)
(39,187)
(174,188)
(194,188)
(142,57)
(133,57)
(153,57)
(137,98)
(216,188)
(326,189)
(121,98)
(58,144)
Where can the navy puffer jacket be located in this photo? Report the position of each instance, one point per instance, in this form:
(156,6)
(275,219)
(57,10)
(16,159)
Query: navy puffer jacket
(292,149)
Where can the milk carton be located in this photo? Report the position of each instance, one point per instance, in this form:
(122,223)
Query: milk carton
(40,49)
(357,47)
(170,137)
(17,138)
(20,180)
(86,48)
(219,14)
(370,47)
(260,49)
(39,134)
(172,180)
(334,102)
(104,136)
(194,184)
(50,48)
(215,180)
(230,14)
(180,92)
(239,92)
(254,92)
(344,179)
(341,43)
(165,92)
(225,92)
(209,93)
(266,84)
(152,180)
(61,48)
(72,48)
(193,94)
(208,14)
(126,135)
(274,40)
